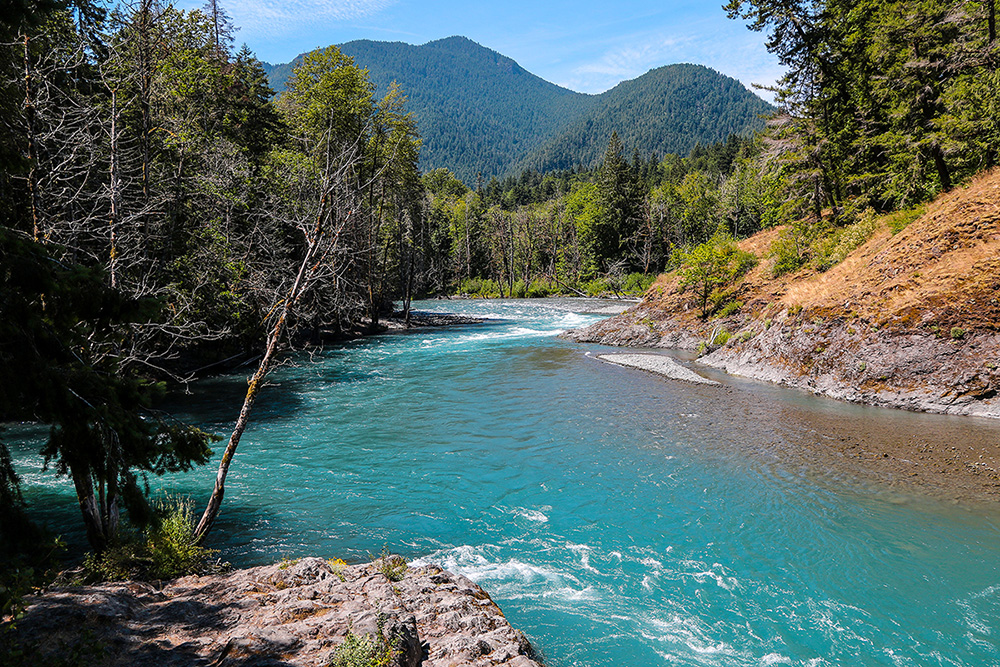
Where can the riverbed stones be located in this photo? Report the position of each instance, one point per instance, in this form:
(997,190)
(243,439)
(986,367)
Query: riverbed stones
(293,613)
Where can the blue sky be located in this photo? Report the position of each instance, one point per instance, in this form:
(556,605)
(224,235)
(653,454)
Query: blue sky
(585,45)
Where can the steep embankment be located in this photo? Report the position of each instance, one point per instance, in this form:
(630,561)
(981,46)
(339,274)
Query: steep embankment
(910,320)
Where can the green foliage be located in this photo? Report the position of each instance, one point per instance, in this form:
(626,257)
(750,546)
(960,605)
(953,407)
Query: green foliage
(392,566)
(900,220)
(442,183)
(597,287)
(710,267)
(883,104)
(721,338)
(584,207)
(164,550)
(329,98)
(698,202)
(363,651)
(835,247)
(479,288)
(58,322)
(957,333)
(729,308)
(619,202)
(572,227)
(637,283)
(793,248)
(540,288)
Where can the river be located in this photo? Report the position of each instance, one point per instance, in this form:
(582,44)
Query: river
(618,517)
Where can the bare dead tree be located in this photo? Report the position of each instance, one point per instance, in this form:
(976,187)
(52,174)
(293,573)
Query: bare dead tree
(335,205)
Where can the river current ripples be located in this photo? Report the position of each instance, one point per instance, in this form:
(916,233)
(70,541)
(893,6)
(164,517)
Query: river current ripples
(618,518)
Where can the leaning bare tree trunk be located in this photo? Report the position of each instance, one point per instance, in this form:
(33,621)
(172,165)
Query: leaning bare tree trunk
(307,267)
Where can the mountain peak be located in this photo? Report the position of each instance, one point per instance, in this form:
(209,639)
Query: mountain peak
(455,41)
(479,112)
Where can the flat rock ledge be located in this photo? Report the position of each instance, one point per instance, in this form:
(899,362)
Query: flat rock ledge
(656,363)
(278,615)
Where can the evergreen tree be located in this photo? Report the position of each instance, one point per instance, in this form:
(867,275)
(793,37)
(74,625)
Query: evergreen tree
(620,200)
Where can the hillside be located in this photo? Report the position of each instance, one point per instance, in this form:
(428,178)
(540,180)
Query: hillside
(479,112)
(666,110)
(475,108)
(908,320)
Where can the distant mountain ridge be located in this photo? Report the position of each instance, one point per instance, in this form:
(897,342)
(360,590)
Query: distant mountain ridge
(480,113)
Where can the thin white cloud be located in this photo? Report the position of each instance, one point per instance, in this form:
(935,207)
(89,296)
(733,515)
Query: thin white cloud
(737,55)
(264,19)
(630,60)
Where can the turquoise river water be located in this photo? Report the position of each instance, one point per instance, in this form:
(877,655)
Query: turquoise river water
(618,517)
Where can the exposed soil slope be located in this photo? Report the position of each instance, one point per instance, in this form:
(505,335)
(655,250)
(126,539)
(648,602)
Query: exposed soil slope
(910,320)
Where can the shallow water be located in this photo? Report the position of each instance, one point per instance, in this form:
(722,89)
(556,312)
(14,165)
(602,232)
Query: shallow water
(617,517)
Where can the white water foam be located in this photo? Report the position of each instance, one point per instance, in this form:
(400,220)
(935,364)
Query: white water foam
(584,551)
(690,632)
(530,515)
(470,561)
(462,342)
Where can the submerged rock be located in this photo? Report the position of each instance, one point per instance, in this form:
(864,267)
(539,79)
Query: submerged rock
(297,613)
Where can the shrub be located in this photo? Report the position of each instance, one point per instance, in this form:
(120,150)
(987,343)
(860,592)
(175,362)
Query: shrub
(392,566)
(721,338)
(363,651)
(596,287)
(540,288)
(957,333)
(835,248)
(165,550)
(792,249)
(710,267)
(637,283)
(729,309)
(480,288)
(899,220)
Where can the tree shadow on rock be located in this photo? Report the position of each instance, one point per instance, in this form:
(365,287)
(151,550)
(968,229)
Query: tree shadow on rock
(138,624)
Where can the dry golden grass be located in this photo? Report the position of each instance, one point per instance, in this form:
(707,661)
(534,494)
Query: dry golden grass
(943,270)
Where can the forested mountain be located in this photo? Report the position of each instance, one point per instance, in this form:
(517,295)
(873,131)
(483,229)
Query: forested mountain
(479,112)
(476,110)
(667,110)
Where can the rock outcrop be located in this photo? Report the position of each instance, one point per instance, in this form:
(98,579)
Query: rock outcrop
(287,614)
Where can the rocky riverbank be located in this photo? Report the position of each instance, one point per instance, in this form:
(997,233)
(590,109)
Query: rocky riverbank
(307,612)
(910,319)
(842,359)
